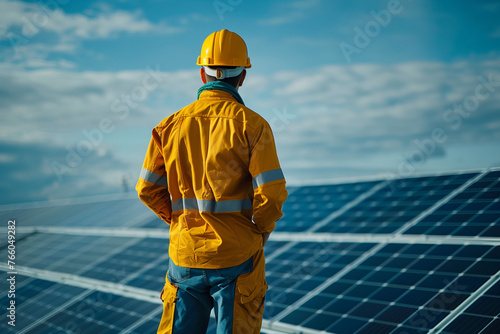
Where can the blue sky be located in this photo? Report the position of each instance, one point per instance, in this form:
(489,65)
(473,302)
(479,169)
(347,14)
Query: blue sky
(351,88)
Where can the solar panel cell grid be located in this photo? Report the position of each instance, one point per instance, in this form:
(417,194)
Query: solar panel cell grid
(304,267)
(473,212)
(308,205)
(408,278)
(104,213)
(153,279)
(65,253)
(394,205)
(148,327)
(115,313)
(35,298)
(134,264)
(466,323)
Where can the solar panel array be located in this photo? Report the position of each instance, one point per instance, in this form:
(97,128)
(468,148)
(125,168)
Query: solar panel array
(409,255)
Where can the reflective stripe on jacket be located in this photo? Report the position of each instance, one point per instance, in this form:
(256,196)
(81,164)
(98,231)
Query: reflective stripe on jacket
(211,171)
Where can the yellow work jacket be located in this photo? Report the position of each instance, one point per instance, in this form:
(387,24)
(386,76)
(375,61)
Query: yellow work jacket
(212,173)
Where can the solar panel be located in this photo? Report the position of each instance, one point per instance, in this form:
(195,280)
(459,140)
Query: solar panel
(64,253)
(475,211)
(483,313)
(302,268)
(308,205)
(394,288)
(411,255)
(395,204)
(65,308)
(120,212)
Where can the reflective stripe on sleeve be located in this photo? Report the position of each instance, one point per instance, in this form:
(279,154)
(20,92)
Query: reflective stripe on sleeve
(153,177)
(211,205)
(269,176)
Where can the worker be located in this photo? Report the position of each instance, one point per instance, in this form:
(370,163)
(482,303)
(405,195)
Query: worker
(212,173)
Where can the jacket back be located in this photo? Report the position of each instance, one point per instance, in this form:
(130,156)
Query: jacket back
(213,174)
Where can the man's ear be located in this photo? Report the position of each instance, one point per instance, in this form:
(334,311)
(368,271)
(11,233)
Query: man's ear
(202,74)
(243,76)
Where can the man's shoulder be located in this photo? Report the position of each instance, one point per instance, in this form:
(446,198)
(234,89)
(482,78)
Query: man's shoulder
(170,119)
(164,123)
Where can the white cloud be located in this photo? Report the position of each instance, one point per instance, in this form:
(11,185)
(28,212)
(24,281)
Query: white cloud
(346,112)
(11,14)
(39,36)
(104,25)
(31,19)
(54,103)
(335,116)
(5,158)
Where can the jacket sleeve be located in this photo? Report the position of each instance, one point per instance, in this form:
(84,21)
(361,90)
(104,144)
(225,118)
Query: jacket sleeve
(152,185)
(268,181)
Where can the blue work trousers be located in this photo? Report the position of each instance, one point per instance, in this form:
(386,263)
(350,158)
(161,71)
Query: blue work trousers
(236,294)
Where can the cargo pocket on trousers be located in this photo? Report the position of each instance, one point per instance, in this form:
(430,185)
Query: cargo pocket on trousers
(250,294)
(169,298)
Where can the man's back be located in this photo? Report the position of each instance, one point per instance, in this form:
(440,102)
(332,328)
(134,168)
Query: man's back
(212,149)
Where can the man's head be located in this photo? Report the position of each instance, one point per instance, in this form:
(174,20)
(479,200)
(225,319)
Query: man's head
(224,58)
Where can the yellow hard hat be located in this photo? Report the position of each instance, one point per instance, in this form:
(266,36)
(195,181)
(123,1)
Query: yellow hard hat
(224,48)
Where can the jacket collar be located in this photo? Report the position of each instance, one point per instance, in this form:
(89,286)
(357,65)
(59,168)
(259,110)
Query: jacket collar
(219,85)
